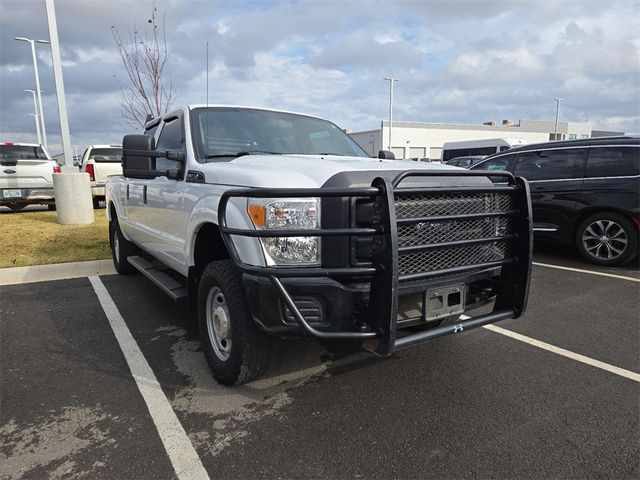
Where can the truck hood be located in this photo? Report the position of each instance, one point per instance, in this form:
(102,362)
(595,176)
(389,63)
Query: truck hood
(303,171)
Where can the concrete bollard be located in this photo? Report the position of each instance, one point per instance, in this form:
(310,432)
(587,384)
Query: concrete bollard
(73,198)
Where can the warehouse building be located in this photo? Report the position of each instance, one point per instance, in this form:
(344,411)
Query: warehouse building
(425,140)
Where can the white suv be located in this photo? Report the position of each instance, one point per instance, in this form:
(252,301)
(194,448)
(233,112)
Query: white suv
(25,175)
(100,161)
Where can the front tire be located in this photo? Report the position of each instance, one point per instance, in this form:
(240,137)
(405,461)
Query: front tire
(236,351)
(121,249)
(607,238)
(96,203)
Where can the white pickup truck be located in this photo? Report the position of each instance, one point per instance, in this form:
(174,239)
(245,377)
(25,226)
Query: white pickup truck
(101,161)
(274,224)
(25,175)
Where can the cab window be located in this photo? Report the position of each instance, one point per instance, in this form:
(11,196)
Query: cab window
(172,139)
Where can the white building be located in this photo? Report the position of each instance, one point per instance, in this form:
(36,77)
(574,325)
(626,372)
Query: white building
(425,140)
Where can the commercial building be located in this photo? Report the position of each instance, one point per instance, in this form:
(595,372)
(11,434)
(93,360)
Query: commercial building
(425,140)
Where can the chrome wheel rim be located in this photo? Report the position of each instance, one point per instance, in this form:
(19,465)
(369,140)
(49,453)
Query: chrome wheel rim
(604,240)
(218,324)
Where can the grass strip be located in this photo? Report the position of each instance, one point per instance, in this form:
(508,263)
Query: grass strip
(36,238)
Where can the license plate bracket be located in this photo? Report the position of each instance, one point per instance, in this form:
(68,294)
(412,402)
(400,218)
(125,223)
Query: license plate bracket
(14,193)
(443,302)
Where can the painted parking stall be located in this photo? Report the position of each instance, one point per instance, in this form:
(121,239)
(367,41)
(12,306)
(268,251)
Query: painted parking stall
(69,405)
(497,401)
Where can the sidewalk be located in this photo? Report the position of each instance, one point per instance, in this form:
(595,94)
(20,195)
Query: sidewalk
(58,271)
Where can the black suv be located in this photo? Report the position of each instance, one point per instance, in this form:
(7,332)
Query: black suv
(584,193)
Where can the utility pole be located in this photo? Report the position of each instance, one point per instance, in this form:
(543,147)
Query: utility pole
(555,130)
(35,115)
(71,188)
(35,70)
(390,80)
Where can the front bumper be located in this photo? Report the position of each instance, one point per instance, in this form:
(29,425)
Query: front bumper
(27,196)
(362,303)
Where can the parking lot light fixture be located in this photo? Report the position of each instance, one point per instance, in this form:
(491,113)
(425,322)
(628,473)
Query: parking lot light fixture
(555,130)
(71,187)
(35,115)
(37,75)
(391,80)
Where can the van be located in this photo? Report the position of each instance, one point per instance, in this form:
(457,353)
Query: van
(584,193)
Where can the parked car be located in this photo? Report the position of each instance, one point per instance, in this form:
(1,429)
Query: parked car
(584,193)
(466,162)
(269,223)
(25,175)
(100,161)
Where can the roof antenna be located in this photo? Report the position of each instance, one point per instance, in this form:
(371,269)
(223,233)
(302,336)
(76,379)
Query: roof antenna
(207,113)
(207,73)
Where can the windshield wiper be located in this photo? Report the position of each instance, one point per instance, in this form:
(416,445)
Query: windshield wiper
(251,152)
(242,153)
(221,155)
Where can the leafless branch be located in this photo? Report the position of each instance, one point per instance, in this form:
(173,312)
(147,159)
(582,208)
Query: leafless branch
(144,57)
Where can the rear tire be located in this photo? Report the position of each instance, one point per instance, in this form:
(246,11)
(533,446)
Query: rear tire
(121,249)
(96,204)
(607,238)
(51,207)
(236,350)
(16,207)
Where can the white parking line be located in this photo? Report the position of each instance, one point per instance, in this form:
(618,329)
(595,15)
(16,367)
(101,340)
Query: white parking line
(185,460)
(561,351)
(592,272)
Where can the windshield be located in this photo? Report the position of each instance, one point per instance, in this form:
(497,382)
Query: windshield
(221,134)
(21,152)
(113,154)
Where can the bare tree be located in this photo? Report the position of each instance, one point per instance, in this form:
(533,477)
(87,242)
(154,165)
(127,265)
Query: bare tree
(144,56)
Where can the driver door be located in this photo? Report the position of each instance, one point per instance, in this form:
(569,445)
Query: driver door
(165,213)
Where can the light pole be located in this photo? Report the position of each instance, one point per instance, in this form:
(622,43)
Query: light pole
(555,129)
(35,117)
(71,187)
(35,70)
(35,106)
(390,80)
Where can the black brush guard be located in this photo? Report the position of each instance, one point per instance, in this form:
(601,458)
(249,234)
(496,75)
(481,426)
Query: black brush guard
(511,287)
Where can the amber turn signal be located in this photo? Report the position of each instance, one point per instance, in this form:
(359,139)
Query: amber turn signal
(257,214)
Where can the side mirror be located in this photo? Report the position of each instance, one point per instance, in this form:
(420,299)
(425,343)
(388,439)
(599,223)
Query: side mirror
(138,156)
(386,155)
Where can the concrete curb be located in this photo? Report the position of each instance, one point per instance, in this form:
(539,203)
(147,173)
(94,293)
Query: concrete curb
(58,271)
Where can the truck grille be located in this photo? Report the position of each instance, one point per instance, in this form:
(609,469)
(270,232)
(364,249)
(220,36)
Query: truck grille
(425,231)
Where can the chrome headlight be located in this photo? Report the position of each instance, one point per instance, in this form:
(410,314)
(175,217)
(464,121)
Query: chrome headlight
(287,213)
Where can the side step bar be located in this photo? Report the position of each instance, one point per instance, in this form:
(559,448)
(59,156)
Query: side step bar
(167,284)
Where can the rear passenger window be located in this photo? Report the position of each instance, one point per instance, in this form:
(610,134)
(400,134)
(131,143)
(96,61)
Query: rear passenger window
(613,162)
(551,164)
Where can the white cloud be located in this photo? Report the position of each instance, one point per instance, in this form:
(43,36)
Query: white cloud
(462,61)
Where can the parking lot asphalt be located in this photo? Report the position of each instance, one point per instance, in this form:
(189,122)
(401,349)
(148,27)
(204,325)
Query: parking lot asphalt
(479,404)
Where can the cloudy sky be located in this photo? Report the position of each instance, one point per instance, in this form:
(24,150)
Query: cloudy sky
(457,61)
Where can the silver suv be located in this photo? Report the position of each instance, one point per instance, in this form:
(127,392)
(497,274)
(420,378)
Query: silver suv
(25,175)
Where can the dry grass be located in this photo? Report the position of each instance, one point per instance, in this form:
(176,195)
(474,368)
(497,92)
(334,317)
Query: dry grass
(36,238)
